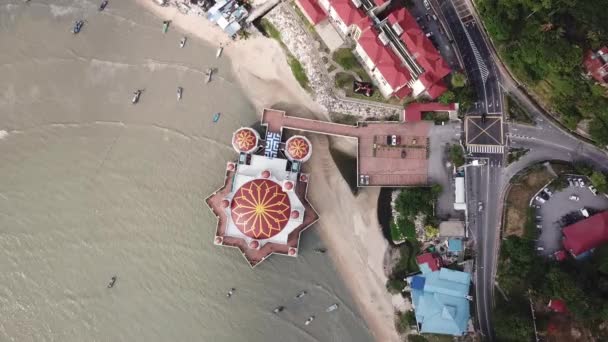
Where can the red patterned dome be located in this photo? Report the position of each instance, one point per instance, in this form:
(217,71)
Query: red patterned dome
(260,209)
(298,148)
(245,140)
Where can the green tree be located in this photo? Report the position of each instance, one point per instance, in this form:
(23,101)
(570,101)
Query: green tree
(447,97)
(458,80)
(599,181)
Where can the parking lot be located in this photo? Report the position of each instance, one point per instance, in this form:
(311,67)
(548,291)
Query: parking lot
(549,215)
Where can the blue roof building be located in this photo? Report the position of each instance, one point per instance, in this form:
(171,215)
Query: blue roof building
(455,245)
(440,301)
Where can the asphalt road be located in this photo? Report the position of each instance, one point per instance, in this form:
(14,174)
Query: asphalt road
(476,56)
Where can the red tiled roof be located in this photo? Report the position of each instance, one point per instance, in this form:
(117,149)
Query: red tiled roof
(385,60)
(313,10)
(586,234)
(596,66)
(260,209)
(348,12)
(413,111)
(403,92)
(557,305)
(423,51)
(432,261)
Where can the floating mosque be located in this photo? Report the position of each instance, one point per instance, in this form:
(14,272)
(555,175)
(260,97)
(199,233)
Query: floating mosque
(262,208)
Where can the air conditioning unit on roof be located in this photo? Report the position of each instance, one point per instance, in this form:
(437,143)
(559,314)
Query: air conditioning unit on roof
(357,3)
(383,38)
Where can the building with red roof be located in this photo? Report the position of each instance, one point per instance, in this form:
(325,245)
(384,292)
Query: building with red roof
(596,64)
(557,305)
(585,235)
(312,10)
(413,111)
(262,208)
(429,262)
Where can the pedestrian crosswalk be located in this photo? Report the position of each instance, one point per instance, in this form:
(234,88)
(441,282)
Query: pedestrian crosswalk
(495,149)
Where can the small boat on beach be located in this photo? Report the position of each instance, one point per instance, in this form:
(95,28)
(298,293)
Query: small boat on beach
(230,292)
(136,96)
(216,117)
(103,5)
(219,52)
(112,282)
(179,93)
(309,320)
(278,309)
(300,295)
(332,307)
(182,42)
(208,73)
(166,25)
(77,26)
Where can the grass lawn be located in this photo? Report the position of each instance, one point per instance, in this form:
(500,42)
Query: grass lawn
(519,197)
(271,30)
(298,71)
(345,58)
(457,155)
(517,113)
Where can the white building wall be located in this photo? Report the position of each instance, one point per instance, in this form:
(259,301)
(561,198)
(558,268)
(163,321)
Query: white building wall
(341,25)
(418,88)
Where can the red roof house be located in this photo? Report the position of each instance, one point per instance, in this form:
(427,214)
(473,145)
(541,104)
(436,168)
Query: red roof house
(432,261)
(384,59)
(348,13)
(422,50)
(557,305)
(586,234)
(596,64)
(312,10)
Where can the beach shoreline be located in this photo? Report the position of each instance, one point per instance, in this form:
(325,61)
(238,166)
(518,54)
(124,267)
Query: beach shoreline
(348,225)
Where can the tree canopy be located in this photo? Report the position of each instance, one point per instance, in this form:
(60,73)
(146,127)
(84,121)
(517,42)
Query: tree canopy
(543,42)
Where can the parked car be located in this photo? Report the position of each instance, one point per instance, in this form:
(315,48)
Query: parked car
(571,182)
(574,198)
(540,248)
(540,199)
(362,179)
(394,140)
(366,179)
(427,5)
(539,226)
(593,189)
(480,206)
(584,212)
(581,183)
(548,192)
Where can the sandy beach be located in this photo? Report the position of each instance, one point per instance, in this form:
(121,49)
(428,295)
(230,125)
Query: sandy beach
(259,62)
(348,224)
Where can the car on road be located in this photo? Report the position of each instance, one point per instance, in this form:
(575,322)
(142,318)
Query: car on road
(540,199)
(593,189)
(480,206)
(540,248)
(581,183)
(427,5)
(574,198)
(584,212)
(539,226)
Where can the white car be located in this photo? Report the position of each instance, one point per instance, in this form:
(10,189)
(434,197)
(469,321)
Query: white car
(548,192)
(584,212)
(593,189)
(394,140)
(581,183)
(479,206)
(573,198)
(570,181)
(540,199)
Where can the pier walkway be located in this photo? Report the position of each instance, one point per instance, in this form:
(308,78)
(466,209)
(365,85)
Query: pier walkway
(379,161)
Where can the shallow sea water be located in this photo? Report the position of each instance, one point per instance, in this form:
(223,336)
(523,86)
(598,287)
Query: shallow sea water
(92,186)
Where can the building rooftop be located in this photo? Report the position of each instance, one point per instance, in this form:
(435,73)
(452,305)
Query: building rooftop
(312,10)
(350,14)
(428,262)
(586,234)
(384,58)
(441,301)
(596,64)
